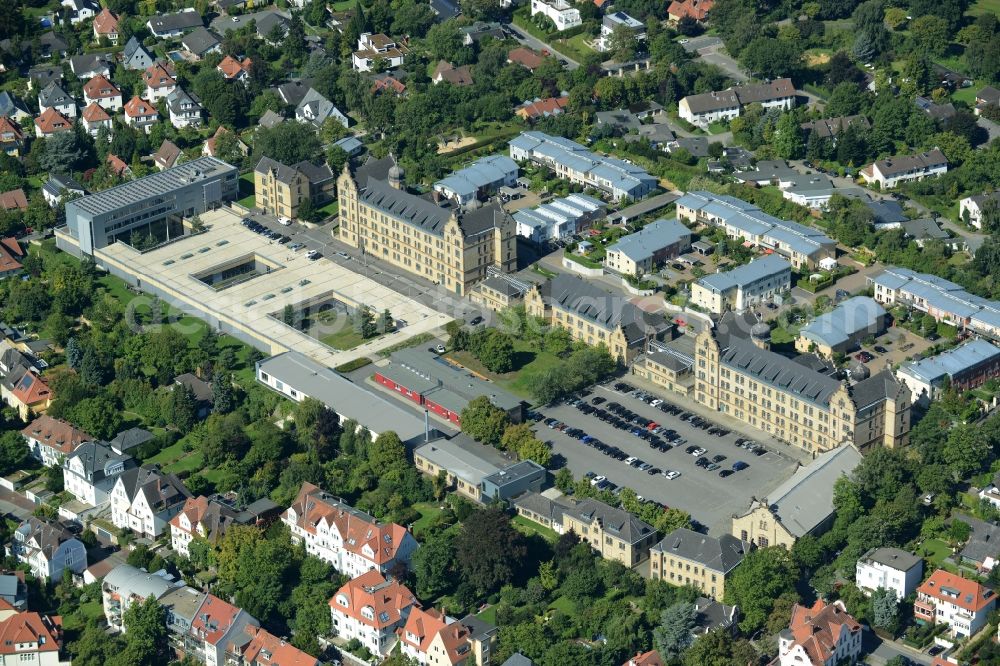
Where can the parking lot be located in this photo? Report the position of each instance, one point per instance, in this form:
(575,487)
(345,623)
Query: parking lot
(709,498)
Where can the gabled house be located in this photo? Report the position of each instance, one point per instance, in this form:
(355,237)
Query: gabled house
(960,603)
(823,635)
(135,56)
(456,76)
(14,200)
(184,109)
(104,93)
(889,569)
(167,155)
(159,80)
(266,649)
(13,108)
(140,114)
(11,137)
(370,608)
(971,208)
(26,392)
(11,255)
(31,638)
(988,96)
(200,42)
(144,500)
(89,65)
(106,25)
(201,517)
(94,118)
(892,171)
(235,70)
(59,186)
(694,9)
(542,108)
(52,45)
(168,26)
(54,97)
(315,109)
(431,637)
(118,166)
(372,47)
(348,539)
(91,470)
(51,440)
(38,78)
(651,658)
(220,629)
(48,549)
(209,149)
(80,10)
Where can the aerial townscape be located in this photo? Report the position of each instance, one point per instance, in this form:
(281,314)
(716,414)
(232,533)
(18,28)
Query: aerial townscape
(500,332)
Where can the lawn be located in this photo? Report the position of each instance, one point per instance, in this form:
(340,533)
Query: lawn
(780,336)
(429,512)
(169,455)
(489,615)
(344,339)
(563,604)
(717,128)
(246,191)
(528,362)
(330,209)
(528,527)
(984,7)
(936,550)
(575,48)
(189,463)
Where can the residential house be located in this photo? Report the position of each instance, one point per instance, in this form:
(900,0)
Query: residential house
(281,189)
(13,108)
(50,440)
(893,171)
(372,47)
(89,65)
(480,30)
(200,390)
(200,42)
(842,329)
(201,517)
(135,56)
(292,92)
(430,638)
(184,109)
(159,80)
(31,638)
(169,26)
(54,97)
(456,76)
(478,472)
(91,471)
(80,10)
(480,179)
(129,439)
(14,200)
(48,549)
(829,128)
(235,70)
(104,93)
(981,550)
(219,630)
(641,252)
(694,9)
(939,112)
(126,585)
(371,608)
(94,118)
(11,255)
(570,160)
(686,558)
(266,649)
(542,108)
(613,21)
(959,603)
(801,505)
(210,147)
(106,26)
(763,280)
(118,166)
(11,137)
(561,13)
(144,500)
(52,45)
(271,119)
(59,187)
(821,635)
(722,106)
(963,368)
(558,218)
(889,569)
(316,109)
(988,96)
(970,209)
(166,156)
(525,57)
(26,392)
(140,114)
(351,541)
(13,592)
(38,77)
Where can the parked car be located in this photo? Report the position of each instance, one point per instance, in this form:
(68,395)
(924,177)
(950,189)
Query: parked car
(739,465)
(671,474)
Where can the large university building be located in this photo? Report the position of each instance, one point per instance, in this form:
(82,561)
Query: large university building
(434,240)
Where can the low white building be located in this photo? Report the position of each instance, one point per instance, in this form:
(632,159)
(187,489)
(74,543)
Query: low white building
(47,549)
(704,109)
(371,608)
(563,14)
(372,47)
(893,171)
(614,20)
(889,569)
(971,208)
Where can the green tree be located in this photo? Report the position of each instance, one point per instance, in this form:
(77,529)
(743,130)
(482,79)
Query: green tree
(536,450)
(13,451)
(719,648)
(931,34)
(487,550)
(763,576)
(497,352)
(146,637)
(673,635)
(287,142)
(966,450)
(484,421)
(63,152)
(787,141)
(386,324)
(434,565)
(885,609)
(364,322)
(99,415)
(223,394)
(182,408)
(622,44)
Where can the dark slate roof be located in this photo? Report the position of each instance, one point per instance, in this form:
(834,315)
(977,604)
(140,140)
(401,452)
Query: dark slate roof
(886,212)
(984,542)
(282,172)
(129,439)
(590,301)
(199,40)
(615,521)
(722,554)
(878,387)
(482,219)
(778,371)
(316,173)
(402,205)
(178,21)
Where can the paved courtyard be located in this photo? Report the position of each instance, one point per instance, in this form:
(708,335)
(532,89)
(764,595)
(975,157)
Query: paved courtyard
(246,307)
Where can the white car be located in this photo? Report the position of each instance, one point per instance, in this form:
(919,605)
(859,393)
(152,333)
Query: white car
(630,460)
(598,480)
(656,403)
(284,221)
(671,474)
(440,349)
(697,452)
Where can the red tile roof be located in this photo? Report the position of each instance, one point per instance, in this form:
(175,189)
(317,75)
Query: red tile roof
(14,199)
(95,113)
(56,434)
(545,107)
(962,592)
(266,649)
(423,626)
(51,121)
(117,164)
(651,658)
(8,126)
(100,88)
(231,67)
(818,629)
(388,600)
(10,253)
(31,390)
(136,108)
(214,619)
(526,58)
(457,76)
(392,83)
(43,631)
(105,23)
(156,76)
(696,9)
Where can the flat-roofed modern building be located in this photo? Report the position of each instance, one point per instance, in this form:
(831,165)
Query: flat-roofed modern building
(436,241)
(558,218)
(805,247)
(649,247)
(760,281)
(963,368)
(101,219)
(431,382)
(484,176)
(618,178)
(843,328)
(479,472)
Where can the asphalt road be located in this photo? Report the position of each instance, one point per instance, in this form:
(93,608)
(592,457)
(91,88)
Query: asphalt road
(880,651)
(538,45)
(716,55)
(710,499)
(15,504)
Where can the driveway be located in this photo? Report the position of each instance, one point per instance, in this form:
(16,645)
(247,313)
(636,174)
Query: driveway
(15,504)
(717,56)
(698,43)
(880,651)
(538,45)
